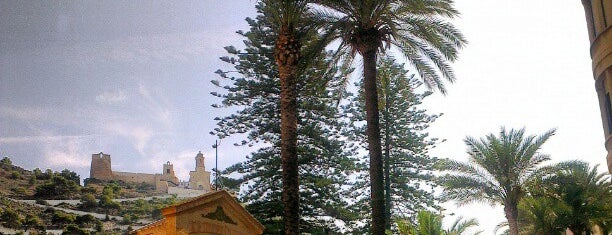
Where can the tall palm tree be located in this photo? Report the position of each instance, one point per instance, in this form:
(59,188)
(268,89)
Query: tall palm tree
(419,32)
(287,18)
(499,167)
(429,223)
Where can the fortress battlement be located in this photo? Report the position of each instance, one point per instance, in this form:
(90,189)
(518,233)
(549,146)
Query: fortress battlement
(101,169)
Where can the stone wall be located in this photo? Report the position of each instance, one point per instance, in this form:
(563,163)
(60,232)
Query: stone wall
(136,177)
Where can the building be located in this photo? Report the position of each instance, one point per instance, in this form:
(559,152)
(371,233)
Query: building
(599,19)
(212,213)
(199,179)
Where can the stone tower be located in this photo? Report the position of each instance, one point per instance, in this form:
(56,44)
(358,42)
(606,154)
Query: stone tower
(101,166)
(168,169)
(200,161)
(168,174)
(599,22)
(200,178)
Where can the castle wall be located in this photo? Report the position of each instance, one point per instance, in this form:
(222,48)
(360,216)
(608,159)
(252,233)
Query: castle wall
(101,169)
(136,177)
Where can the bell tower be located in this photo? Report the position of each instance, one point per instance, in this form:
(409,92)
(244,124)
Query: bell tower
(200,178)
(200,161)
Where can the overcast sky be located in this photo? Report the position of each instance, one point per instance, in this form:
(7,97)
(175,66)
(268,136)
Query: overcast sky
(131,79)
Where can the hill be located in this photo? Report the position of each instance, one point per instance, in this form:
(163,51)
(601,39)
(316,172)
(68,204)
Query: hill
(37,201)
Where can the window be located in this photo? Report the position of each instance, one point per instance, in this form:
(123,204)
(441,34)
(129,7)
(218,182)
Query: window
(608,111)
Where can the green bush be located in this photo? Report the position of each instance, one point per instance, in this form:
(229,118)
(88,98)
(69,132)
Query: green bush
(19,191)
(88,201)
(11,219)
(107,203)
(74,230)
(15,175)
(60,217)
(32,180)
(6,161)
(33,222)
(127,219)
(85,220)
(59,187)
(91,190)
(99,226)
(70,175)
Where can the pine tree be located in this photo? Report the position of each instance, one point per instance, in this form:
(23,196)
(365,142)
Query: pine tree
(324,166)
(405,143)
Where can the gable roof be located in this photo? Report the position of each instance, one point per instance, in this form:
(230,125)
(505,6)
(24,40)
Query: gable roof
(222,197)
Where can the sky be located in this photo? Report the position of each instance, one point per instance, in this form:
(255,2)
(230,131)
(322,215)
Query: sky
(132,79)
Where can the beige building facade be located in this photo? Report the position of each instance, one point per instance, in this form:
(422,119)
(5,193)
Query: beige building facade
(599,19)
(200,178)
(212,213)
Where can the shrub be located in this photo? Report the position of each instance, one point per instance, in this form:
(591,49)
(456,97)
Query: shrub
(11,219)
(85,220)
(6,161)
(99,226)
(127,219)
(70,175)
(91,190)
(60,217)
(74,230)
(15,175)
(59,187)
(19,191)
(88,200)
(32,180)
(33,222)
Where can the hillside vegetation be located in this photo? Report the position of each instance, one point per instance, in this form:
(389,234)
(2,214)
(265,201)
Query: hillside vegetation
(115,216)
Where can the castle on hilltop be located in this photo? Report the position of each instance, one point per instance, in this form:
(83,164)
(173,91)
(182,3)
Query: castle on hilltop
(198,179)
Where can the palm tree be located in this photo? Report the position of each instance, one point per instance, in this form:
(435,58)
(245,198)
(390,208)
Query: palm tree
(460,226)
(369,27)
(499,167)
(586,193)
(429,223)
(287,18)
(542,216)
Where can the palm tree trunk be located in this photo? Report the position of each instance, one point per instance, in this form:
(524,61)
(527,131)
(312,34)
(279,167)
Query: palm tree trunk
(511,212)
(286,55)
(387,163)
(373,131)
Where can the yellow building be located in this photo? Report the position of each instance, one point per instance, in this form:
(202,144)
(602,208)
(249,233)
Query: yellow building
(599,19)
(212,213)
(200,178)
